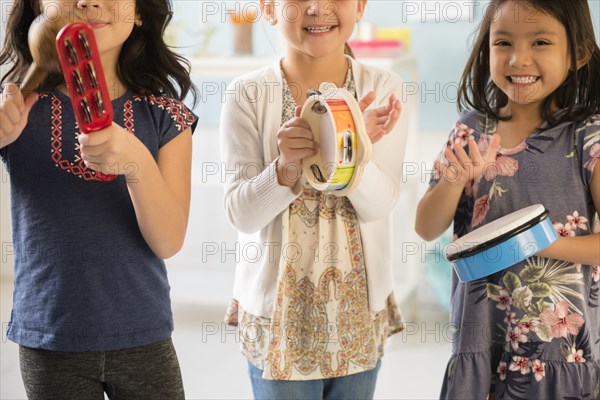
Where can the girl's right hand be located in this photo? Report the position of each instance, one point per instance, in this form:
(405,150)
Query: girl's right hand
(13,113)
(295,141)
(463,167)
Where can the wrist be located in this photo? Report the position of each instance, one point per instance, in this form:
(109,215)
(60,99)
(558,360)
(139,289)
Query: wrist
(288,173)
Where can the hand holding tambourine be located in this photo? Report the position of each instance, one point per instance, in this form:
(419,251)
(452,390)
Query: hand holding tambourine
(340,128)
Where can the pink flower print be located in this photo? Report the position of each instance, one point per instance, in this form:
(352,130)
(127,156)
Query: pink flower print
(463,132)
(520,363)
(575,356)
(503,298)
(502,370)
(531,325)
(561,322)
(563,230)
(510,318)
(506,166)
(539,369)
(595,153)
(596,273)
(515,150)
(482,206)
(577,221)
(515,336)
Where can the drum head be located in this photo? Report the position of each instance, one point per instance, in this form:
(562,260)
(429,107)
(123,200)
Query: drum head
(495,232)
(328,147)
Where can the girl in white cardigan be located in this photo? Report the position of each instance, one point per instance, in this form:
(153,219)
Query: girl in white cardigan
(313,292)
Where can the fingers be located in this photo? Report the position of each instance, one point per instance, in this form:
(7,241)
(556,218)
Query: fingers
(99,137)
(474,152)
(461,154)
(495,144)
(366,101)
(450,156)
(296,122)
(12,114)
(377,136)
(12,94)
(295,141)
(393,105)
(391,120)
(447,172)
(300,144)
(13,111)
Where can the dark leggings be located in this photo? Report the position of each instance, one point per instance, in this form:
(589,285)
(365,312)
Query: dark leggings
(146,372)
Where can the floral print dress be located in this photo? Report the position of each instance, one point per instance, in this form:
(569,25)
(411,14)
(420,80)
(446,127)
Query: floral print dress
(531,331)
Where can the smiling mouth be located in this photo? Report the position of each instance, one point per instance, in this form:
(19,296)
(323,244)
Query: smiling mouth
(319,29)
(523,80)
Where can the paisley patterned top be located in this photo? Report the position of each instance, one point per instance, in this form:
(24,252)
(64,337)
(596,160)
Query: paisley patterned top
(322,326)
(531,331)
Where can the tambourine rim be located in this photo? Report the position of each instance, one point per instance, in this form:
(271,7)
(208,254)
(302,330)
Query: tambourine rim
(323,98)
(480,248)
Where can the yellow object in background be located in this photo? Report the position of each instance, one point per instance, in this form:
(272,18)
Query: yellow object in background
(400,34)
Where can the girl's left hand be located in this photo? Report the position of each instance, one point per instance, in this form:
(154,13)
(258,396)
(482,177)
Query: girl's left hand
(113,151)
(379,121)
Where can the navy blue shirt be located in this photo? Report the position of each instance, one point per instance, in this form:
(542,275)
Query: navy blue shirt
(85,279)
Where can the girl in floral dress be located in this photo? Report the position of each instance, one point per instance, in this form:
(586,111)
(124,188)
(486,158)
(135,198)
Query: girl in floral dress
(314,299)
(532,135)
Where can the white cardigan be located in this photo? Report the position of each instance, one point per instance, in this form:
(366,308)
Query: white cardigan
(255,202)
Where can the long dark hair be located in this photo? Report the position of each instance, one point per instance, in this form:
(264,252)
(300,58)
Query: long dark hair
(146,65)
(579,94)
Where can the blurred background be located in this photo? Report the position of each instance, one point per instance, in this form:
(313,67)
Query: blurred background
(425,42)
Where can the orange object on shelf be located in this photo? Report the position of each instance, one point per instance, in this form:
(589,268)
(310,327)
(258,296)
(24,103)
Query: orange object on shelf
(245,17)
(242,31)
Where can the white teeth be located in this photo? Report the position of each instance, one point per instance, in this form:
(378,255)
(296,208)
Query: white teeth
(319,29)
(523,79)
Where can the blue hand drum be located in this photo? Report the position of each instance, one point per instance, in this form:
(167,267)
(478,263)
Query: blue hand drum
(501,243)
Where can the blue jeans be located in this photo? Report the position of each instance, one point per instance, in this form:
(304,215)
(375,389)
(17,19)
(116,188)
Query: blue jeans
(359,386)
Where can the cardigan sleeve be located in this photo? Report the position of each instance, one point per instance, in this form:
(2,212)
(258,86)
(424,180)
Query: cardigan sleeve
(377,194)
(253,195)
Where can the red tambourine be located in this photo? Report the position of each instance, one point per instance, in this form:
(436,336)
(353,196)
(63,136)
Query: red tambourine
(82,69)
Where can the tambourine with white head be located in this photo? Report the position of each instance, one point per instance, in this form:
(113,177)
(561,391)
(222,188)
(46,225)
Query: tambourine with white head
(345,149)
(501,243)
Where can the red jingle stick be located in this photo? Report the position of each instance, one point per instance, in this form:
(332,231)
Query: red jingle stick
(82,69)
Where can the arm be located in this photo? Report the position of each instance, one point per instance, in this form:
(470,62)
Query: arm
(159,190)
(378,192)
(13,113)
(579,249)
(436,209)
(253,195)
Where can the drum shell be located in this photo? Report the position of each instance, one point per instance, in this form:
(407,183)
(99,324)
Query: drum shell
(507,253)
